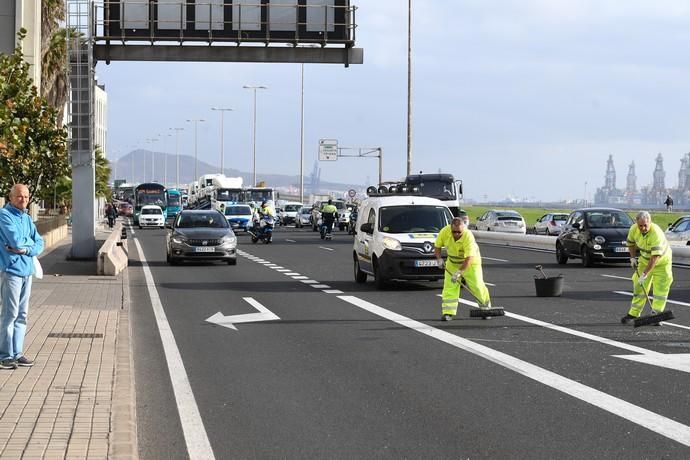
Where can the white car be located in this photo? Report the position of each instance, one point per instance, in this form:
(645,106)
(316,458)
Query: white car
(151,216)
(303,218)
(395,236)
(288,215)
(501,220)
(550,224)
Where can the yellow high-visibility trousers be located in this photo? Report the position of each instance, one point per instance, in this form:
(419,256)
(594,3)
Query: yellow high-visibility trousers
(474,279)
(659,280)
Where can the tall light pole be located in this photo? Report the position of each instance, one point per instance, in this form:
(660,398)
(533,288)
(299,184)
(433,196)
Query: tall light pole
(254,130)
(222,112)
(301,138)
(177,155)
(196,156)
(409,87)
(153,159)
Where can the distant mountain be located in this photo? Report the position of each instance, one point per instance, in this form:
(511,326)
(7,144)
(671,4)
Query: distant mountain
(141,170)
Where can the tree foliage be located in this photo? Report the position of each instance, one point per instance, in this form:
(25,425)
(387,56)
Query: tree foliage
(33,149)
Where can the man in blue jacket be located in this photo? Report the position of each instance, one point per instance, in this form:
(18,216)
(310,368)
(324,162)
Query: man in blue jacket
(20,242)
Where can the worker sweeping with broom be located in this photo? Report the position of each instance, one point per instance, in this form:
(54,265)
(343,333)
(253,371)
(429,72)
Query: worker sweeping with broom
(652,271)
(462,268)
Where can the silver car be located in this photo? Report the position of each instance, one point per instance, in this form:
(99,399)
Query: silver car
(303,217)
(679,230)
(201,235)
(550,224)
(500,220)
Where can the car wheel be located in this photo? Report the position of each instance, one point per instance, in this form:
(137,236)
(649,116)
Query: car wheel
(586,256)
(254,239)
(379,279)
(561,254)
(140,227)
(360,276)
(172,261)
(232,262)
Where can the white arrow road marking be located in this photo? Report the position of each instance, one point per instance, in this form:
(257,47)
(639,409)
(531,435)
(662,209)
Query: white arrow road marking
(229,321)
(659,424)
(679,361)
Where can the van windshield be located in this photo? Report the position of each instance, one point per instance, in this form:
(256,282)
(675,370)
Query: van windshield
(413,219)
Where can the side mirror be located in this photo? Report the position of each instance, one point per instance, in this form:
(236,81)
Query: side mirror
(367,228)
(576,226)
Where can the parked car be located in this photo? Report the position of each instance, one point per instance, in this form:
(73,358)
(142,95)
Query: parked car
(151,216)
(501,220)
(679,230)
(550,224)
(594,235)
(239,216)
(201,235)
(303,218)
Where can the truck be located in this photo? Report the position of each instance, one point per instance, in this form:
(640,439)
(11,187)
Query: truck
(174,203)
(226,191)
(441,186)
(206,186)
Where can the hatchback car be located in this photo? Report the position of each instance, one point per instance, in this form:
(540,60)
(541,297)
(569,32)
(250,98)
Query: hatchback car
(550,224)
(239,216)
(124,209)
(594,235)
(679,230)
(303,217)
(500,220)
(201,235)
(289,213)
(151,216)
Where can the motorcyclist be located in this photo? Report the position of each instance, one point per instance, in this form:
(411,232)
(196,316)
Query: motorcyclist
(266,209)
(329,213)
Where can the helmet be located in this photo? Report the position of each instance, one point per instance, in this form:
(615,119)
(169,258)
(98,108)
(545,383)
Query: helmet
(330,201)
(263,202)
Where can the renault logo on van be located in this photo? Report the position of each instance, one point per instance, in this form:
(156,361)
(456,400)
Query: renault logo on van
(204,243)
(428,247)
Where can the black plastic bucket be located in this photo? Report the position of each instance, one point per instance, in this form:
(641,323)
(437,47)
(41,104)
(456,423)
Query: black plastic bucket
(549,287)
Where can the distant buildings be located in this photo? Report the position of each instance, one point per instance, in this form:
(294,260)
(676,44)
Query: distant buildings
(652,195)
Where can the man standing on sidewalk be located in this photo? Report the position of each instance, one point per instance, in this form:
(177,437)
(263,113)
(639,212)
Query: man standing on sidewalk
(20,242)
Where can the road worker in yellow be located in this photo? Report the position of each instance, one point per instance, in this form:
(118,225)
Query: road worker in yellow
(652,269)
(329,213)
(463,266)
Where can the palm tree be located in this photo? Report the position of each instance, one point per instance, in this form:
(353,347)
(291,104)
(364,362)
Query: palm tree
(54,83)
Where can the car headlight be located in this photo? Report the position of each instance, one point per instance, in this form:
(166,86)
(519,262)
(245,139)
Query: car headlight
(599,239)
(229,240)
(178,240)
(391,243)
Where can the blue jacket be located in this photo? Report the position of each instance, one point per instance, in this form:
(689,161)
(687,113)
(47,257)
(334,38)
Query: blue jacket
(18,231)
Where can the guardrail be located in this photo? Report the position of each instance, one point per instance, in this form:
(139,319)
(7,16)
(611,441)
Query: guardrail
(52,229)
(113,256)
(681,254)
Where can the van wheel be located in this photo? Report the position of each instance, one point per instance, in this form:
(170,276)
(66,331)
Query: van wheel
(379,280)
(360,276)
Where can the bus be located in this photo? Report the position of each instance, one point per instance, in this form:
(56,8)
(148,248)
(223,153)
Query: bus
(174,203)
(149,193)
(259,194)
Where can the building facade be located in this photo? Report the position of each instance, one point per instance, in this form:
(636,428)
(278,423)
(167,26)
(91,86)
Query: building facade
(15,14)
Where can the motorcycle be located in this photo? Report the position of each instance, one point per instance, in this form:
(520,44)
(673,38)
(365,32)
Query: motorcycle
(326,228)
(262,229)
(352,225)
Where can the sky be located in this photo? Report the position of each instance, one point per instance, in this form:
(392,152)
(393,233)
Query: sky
(522,99)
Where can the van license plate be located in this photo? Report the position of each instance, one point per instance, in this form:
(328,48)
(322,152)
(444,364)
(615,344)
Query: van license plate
(426,263)
(204,249)
(622,249)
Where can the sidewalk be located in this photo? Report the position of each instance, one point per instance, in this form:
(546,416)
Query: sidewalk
(77,401)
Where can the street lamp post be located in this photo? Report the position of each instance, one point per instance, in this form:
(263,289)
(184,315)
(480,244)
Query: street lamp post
(153,159)
(254,129)
(196,156)
(177,155)
(409,87)
(222,155)
(301,138)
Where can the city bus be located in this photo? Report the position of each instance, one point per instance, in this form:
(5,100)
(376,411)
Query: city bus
(259,194)
(150,193)
(174,203)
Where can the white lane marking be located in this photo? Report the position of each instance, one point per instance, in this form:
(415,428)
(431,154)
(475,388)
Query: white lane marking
(493,258)
(675,325)
(290,241)
(278,267)
(320,286)
(198,445)
(283,270)
(617,277)
(565,330)
(489,284)
(638,415)
(309,281)
(291,273)
(674,302)
(333,291)
(299,277)
(324,247)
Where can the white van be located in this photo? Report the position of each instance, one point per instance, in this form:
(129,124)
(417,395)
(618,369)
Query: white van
(395,237)
(288,215)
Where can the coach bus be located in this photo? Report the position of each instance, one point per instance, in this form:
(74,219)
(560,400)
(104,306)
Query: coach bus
(150,193)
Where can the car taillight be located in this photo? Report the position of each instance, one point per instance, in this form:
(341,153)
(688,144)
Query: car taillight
(553,222)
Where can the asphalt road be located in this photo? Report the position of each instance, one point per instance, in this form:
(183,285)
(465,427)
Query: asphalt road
(351,372)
